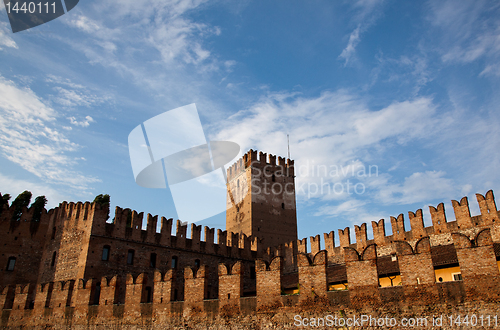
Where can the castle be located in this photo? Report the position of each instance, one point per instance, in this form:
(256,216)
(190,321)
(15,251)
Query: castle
(73,268)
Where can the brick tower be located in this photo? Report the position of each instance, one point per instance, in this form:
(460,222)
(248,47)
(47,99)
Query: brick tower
(261,199)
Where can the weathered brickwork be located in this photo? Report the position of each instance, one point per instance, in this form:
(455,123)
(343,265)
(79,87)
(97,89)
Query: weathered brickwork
(75,269)
(261,199)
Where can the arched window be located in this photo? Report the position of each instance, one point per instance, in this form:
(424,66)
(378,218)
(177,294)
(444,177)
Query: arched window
(11,264)
(130,257)
(53,262)
(174,262)
(105,252)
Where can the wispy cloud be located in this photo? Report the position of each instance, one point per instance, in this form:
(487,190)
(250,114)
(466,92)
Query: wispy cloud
(5,40)
(83,123)
(335,130)
(31,138)
(366,14)
(469,31)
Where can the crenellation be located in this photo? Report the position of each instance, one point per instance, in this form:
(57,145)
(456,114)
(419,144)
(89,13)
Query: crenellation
(398,228)
(180,235)
(487,206)
(361,236)
(152,222)
(166,231)
(262,157)
(221,238)
(272,160)
(209,239)
(230,285)
(417,224)
(268,283)
(345,237)
(74,237)
(315,244)
(195,237)
(462,213)
(379,232)
(302,245)
(438,217)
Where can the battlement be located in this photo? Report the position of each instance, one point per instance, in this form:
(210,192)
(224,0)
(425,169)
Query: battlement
(234,271)
(132,298)
(128,225)
(263,161)
(439,232)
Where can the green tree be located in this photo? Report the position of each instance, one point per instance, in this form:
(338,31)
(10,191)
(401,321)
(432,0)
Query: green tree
(102,201)
(38,205)
(21,201)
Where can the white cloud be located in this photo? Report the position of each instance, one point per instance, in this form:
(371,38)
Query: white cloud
(366,13)
(335,129)
(419,187)
(17,186)
(85,24)
(348,52)
(5,40)
(469,31)
(83,123)
(73,94)
(31,138)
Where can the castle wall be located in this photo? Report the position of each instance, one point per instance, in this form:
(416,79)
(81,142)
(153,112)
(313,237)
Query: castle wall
(23,240)
(81,288)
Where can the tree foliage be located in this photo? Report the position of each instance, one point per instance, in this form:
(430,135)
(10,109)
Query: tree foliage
(102,201)
(21,201)
(38,205)
(4,200)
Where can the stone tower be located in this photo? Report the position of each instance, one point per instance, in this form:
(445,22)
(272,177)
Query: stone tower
(261,199)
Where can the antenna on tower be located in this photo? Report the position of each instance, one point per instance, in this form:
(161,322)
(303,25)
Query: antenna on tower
(288,142)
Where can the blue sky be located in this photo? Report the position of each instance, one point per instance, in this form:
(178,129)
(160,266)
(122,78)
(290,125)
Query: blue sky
(409,88)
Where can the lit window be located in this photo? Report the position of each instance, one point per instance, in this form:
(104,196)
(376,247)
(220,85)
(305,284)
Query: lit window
(11,264)
(105,252)
(457,276)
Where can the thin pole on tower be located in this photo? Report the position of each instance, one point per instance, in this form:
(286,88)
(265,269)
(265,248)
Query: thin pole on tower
(288,142)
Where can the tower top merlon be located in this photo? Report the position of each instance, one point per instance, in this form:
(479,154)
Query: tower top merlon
(250,158)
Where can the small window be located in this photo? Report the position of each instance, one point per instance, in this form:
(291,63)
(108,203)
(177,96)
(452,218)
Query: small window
(174,262)
(97,293)
(283,206)
(273,178)
(152,260)
(11,264)
(457,276)
(53,262)
(148,294)
(130,257)
(105,252)
(197,263)
(53,232)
